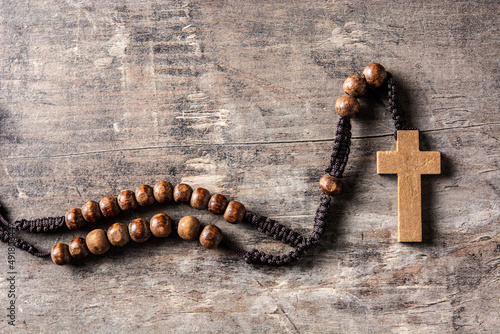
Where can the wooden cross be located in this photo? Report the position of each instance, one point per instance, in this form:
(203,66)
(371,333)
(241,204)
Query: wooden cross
(409,163)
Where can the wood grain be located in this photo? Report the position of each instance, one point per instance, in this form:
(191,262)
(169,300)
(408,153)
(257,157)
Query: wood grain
(238,97)
(409,163)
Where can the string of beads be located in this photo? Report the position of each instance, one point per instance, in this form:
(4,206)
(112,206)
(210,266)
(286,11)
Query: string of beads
(99,241)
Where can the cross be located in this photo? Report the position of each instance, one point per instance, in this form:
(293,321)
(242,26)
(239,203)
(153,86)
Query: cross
(409,163)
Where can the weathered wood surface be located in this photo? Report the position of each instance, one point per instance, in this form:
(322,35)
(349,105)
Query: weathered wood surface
(238,96)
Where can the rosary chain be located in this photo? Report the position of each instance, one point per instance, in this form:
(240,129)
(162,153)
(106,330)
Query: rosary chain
(347,107)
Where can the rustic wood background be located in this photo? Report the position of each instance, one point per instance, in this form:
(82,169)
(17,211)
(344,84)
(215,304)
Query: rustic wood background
(238,97)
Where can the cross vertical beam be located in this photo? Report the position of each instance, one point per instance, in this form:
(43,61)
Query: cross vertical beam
(409,163)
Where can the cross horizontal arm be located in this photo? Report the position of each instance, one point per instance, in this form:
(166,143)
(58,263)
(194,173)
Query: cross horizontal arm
(387,162)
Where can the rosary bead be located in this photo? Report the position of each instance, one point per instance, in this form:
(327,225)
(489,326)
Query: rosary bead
(161,225)
(109,207)
(330,185)
(91,212)
(78,248)
(217,204)
(144,195)
(97,242)
(126,200)
(182,193)
(347,106)
(375,75)
(60,254)
(211,236)
(355,85)
(235,212)
(162,192)
(200,198)
(139,230)
(74,219)
(188,228)
(118,234)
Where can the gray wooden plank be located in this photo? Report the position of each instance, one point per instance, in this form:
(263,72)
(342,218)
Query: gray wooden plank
(238,97)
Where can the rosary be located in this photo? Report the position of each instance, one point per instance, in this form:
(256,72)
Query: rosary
(408,162)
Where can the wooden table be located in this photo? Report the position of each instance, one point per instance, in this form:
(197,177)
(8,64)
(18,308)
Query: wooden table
(238,97)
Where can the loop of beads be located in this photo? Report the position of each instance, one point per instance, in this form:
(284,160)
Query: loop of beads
(139,230)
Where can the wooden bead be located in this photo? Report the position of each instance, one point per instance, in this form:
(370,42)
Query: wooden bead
(188,228)
(217,204)
(235,212)
(200,198)
(144,195)
(211,236)
(355,85)
(375,75)
(160,225)
(330,185)
(74,219)
(91,212)
(182,193)
(78,248)
(97,242)
(126,200)
(60,254)
(109,207)
(347,106)
(162,191)
(118,234)
(139,230)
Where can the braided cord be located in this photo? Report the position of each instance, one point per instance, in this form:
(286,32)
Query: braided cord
(273,229)
(338,162)
(341,148)
(40,225)
(394,108)
(258,257)
(6,236)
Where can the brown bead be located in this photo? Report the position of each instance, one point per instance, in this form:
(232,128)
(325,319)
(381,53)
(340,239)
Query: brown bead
(139,230)
(200,198)
(211,236)
(91,212)
(109,207)
(355,85)
(188,228)
(74,219)
(347,106)
(162,191)
(118,234)
(160,225)
(126,200)
(182,193)
(60,254)
(78,248)
(375,75)
(144,195)
(97,242)
(217,204)
(330,185)
(235,212)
